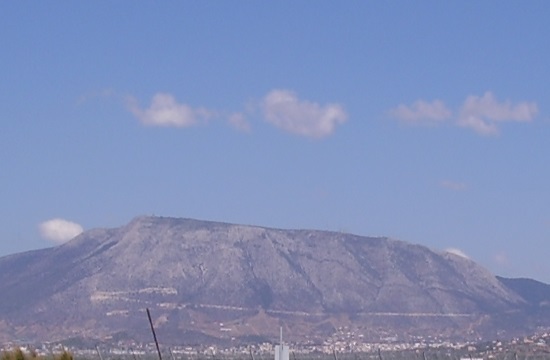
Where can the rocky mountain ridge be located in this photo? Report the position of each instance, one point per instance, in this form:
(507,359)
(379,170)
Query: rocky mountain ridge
(210,281)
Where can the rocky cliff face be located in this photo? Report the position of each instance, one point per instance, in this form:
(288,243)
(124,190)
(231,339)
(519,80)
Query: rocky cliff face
(207,280)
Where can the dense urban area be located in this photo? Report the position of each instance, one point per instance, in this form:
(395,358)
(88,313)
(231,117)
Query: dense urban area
(343,345)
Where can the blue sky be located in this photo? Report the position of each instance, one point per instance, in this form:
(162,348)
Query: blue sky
(423,121)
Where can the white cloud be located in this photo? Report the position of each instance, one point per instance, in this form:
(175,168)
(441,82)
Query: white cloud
(457,252)
(166,111)
(479,125)
(283,109)
(453,185)
(238,121)
(501,259)
(483,113)
(422,112)
(59,230)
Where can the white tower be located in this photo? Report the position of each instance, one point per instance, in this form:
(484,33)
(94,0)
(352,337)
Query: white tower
(281,351)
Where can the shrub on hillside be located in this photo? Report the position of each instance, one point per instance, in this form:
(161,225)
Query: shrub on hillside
(18,354)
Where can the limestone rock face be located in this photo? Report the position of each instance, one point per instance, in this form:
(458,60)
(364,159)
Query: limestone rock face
(210,281)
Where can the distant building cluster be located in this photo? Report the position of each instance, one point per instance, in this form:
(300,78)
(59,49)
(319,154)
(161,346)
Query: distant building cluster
(342,343)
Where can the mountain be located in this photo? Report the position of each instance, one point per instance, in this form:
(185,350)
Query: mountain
(536,293)
(214,282)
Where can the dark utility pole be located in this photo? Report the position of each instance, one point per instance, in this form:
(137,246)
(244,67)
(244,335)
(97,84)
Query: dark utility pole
(154,334)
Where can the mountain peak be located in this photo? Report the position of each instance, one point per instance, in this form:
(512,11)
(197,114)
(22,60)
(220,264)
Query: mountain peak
(198,273)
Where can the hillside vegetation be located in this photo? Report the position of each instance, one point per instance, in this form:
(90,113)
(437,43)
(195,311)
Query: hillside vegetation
(18,354)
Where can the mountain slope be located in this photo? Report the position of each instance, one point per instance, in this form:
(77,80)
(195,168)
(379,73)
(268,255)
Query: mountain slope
(536,293)
(195,275)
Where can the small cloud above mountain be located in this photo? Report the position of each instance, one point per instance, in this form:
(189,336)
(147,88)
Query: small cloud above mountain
(457,252)
(482,114)
(422,112)
(59,230)
(286,111)
(281,108)
(166,111)
(238,121)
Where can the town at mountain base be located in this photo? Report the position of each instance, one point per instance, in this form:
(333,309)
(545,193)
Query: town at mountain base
(212,282)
